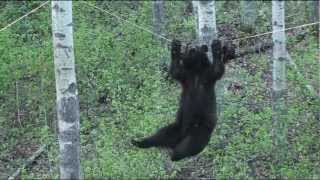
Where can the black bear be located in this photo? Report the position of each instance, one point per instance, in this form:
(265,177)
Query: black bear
(196,117)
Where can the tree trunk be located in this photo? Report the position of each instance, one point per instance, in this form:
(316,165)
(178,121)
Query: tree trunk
(207,31)
(195,14)
(207,27)
(279,85)
(317,9)
(314,6)
(248,15)
(158,17)
(317,13)
(159,25)
(66,89)
(318,26)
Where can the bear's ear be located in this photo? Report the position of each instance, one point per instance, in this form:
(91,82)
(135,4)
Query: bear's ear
(176,44)
(228,52)
(175,49)
(192,51)
(216,50)
(204,48)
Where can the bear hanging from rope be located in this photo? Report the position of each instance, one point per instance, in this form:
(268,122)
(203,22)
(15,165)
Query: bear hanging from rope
(196,117)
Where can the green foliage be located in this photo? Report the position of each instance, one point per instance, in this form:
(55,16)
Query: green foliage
(124,94)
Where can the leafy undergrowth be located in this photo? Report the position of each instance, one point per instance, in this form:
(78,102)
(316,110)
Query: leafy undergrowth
(124,93)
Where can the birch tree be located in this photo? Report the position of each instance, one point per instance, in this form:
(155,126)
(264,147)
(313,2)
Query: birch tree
(66,89)
(159,25)
(316,5)
(207,27)
(312,10)
(207,31)
(195,14)
(318,27)
(279,85)
(248,15)
(158,17)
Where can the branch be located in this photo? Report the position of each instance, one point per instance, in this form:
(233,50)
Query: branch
(260,47)
(28,162)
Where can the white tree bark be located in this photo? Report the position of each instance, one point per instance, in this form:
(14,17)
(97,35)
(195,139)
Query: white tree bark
(159,17)
(279,47)
(159,24)
(67,95)
(207,27)
(317,10)
(195,14)
(318,19)
(279,85)
(313,7)
(317,13)
(207,31)
(248,15)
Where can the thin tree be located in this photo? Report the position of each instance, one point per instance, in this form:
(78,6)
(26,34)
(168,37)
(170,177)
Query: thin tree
(195,14)
(248,15)
(313,7)
(67,95)
(316,5)
(158,17)
(318,58)
(207,31)
(159,25)
(279,85)
(207,27)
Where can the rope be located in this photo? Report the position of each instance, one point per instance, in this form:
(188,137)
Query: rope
(126,21)
(147,30)
(27,14)
(169,40)
(271,32)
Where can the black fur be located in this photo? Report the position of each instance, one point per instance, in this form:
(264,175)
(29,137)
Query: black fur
(196,117)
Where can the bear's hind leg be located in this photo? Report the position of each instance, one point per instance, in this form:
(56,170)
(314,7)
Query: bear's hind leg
(192,144)
(167,136)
